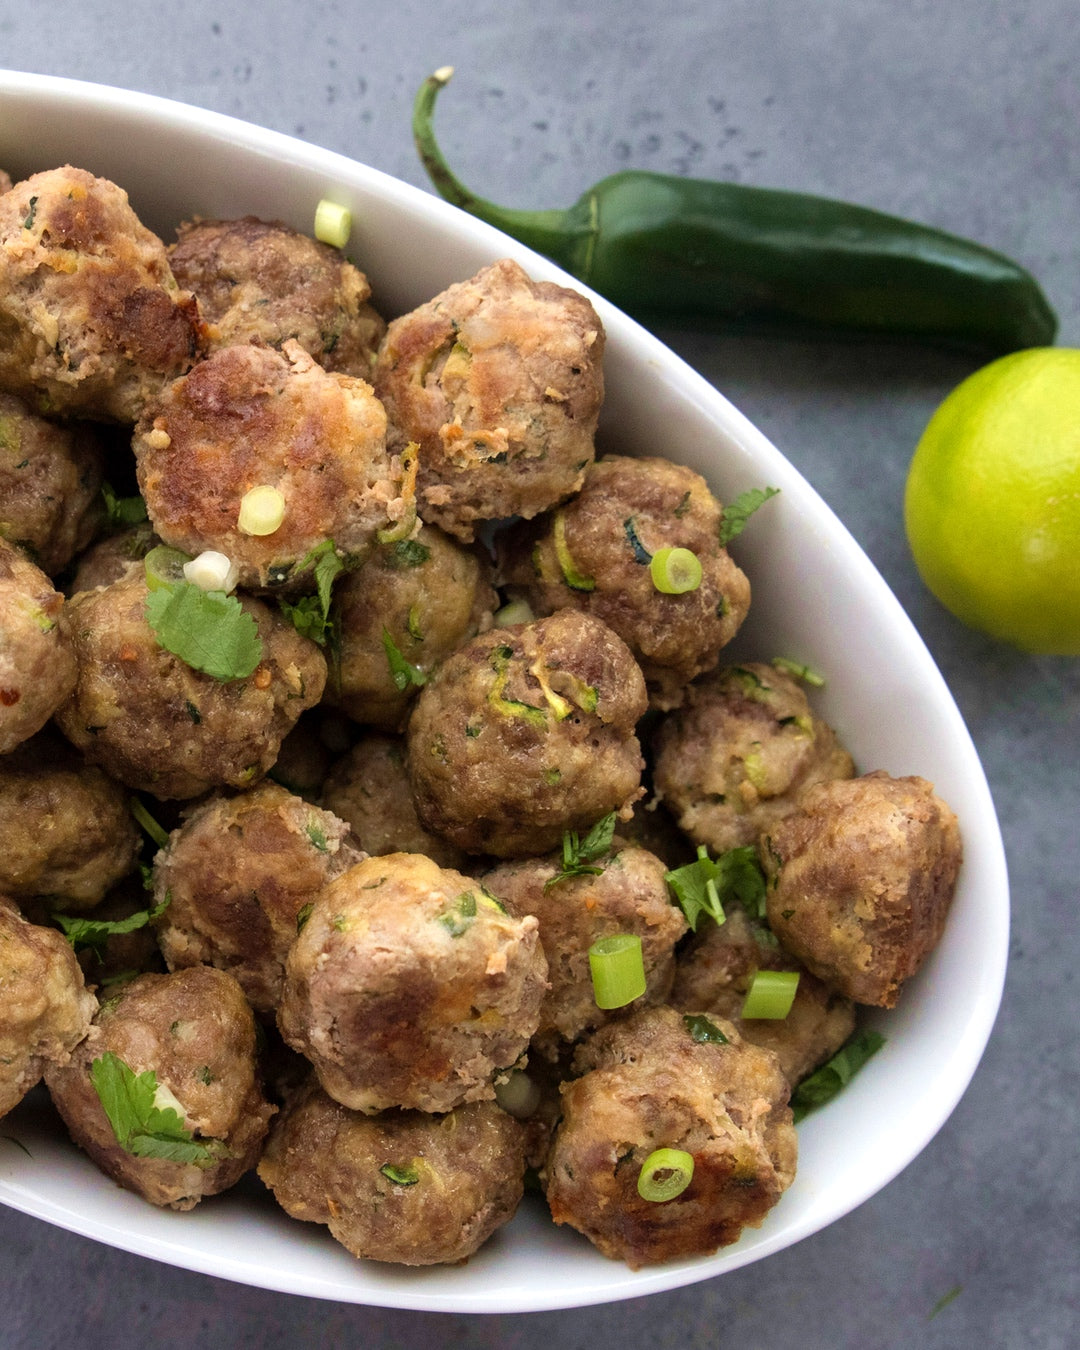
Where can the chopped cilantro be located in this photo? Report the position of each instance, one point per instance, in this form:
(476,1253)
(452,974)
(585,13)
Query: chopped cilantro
(310,615)
(402,672)
(406,553)
(579,856)
(208,630)
(141,1127)
(317,835)
(737,513)
(824,1083)
(706,885)
(303,914)
(702,1030)
(93,934)
(31,212)
(120,512)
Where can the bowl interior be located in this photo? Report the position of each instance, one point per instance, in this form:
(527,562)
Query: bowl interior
(816,597)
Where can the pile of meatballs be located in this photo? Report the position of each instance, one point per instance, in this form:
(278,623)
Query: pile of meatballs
(358,963)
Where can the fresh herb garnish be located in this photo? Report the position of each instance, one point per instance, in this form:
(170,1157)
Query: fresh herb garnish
(798,671)
(92,934)
(158,833)
(579,856)
(406,553)
(141,1126)
(706,885)
(120,512)
(310,615)
(737,513)
(31,212)
(303,914)
(208,630)
(824,1083)
(702,1030)
(402,672)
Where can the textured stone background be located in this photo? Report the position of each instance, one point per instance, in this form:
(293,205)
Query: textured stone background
(965,113)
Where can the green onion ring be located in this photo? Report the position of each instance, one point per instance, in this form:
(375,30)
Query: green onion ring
(665,1174)
(618,970)
(675,571)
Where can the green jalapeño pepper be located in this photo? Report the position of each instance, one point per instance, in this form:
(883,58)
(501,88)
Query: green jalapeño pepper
(671,250)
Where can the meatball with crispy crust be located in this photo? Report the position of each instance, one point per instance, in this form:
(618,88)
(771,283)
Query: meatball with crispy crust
(732,760)
(407,607)
(194,1032)
(401,1186)
(50,484)
(37,661)
(158,725)
(409,985)
(714,972)
(45,1009)
(65,827)
(264,282)
(369,787)
(499,381)
(649,1083)
(235,877)
(250,417)
(629,895)
(92,322)
(860,879)
(526,732)
(594,554)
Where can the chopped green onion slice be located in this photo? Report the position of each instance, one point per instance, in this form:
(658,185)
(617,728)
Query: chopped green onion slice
(408,1175)
(771,994)
(665,1174)
(675,571)
(262,509)
(333,223)
(157,832)
(518,1094)
(164,567)
(212,571)
(574,578)
(618,970)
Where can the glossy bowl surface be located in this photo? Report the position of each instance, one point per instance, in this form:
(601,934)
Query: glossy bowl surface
(816,597)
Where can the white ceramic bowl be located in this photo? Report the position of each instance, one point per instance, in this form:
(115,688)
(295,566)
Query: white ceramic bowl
(816,597)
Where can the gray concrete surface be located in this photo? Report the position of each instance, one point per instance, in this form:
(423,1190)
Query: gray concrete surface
(965,113)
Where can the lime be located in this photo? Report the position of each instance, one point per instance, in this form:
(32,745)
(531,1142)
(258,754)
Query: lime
(992,507)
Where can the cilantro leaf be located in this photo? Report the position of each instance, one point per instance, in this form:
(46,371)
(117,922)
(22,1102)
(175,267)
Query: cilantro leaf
(308,617)
(737,513)
(93,934)
(120,512)
(823,1084)
(141,1127)
(702,1030)
(705,886)
(580,855)
(209,630)
(402,672)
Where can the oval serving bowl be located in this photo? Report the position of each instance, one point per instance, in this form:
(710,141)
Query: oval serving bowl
(816,597)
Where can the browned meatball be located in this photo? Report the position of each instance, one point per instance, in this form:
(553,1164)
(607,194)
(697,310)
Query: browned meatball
(526,732)
(733,759)
(714,973)
(860,880)
(418,600)
(5,181)
(594,553)
(117,555)
(647,1084)
(37,662)
(499,381)
(264,282)
(304,759)
(65,828)
(251,417)
(410,986)
(236,876)
(629,896)
(400,1186)
(50,481)
(45,1009)
(369,787)
(158,725)
(195,1033)
(92,322)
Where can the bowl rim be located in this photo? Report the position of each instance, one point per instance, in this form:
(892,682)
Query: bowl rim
(629,343)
